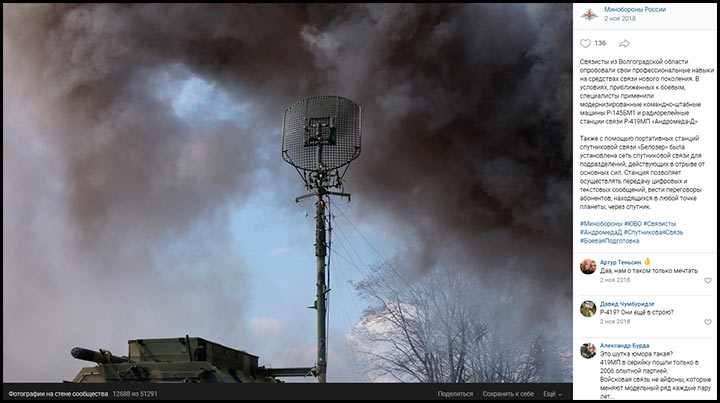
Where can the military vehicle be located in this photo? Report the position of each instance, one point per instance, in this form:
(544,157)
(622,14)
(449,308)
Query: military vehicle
(183,359)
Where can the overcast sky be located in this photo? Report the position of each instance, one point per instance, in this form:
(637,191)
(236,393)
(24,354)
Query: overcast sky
(144,194)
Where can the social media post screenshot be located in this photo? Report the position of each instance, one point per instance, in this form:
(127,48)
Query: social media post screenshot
(645,201)
(666,316)
(646,274)
(643,367)
(386,201)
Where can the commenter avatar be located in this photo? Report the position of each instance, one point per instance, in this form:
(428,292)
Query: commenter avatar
(587,350)
(588,266)
(588,309)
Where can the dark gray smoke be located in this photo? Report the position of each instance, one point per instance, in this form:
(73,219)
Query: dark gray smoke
(467,126)
(466,146)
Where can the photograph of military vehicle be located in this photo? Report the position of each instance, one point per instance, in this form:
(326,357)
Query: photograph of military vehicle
(183,359)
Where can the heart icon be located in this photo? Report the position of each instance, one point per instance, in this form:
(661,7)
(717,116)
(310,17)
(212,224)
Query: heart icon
(708,321)
(585,42)
(708,279)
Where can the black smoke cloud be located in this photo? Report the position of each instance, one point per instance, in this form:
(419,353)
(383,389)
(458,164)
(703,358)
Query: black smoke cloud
(467,123)
(466,147)
(127,155)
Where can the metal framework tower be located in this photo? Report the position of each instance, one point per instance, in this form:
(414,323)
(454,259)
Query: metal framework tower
(321,136)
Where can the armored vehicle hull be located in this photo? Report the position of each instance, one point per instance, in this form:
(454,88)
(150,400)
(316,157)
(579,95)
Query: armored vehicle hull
(184,359)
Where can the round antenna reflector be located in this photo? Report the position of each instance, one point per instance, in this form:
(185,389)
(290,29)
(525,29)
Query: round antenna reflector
(322,129)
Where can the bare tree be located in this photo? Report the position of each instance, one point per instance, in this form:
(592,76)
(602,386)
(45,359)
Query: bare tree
(447,327)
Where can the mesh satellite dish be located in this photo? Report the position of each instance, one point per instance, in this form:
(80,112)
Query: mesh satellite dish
(321,134)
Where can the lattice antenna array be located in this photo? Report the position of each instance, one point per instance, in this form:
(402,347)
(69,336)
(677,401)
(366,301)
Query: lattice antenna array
(321,136)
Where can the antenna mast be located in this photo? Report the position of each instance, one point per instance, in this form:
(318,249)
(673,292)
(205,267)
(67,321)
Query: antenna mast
(321,134)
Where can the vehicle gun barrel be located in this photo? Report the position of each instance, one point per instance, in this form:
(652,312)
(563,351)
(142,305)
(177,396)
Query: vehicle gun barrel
(100,357)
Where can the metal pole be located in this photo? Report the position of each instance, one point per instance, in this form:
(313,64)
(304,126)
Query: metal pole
(320,252)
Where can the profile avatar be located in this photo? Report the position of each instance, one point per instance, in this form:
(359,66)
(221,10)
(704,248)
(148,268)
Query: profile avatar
(587,350)
(588,266)
(588,309)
